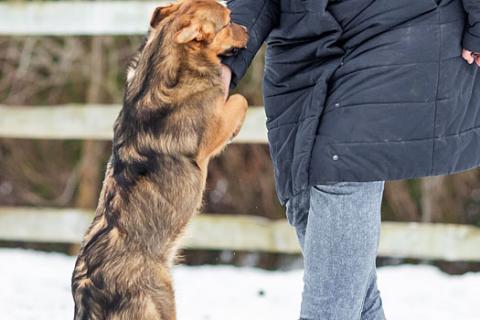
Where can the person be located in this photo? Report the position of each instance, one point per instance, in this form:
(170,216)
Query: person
(358,92)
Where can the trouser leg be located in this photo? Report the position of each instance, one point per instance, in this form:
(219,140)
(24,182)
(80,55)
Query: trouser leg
(372,306)
(339,238)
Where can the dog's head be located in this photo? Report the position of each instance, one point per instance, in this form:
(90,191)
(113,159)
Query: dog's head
(201,25)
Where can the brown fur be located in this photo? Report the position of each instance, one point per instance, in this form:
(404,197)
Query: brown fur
(174,119)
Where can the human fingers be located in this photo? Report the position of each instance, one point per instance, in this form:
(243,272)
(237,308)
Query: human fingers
(467,56)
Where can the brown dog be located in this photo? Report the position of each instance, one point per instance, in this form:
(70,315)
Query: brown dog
(174,119)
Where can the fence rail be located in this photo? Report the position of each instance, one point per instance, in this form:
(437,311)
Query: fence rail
(93,122)
(62,18)
(234,232)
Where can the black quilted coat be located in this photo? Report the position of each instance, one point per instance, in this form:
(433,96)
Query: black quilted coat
(365,90)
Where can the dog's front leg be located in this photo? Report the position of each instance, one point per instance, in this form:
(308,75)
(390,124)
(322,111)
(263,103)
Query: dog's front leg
(224,126)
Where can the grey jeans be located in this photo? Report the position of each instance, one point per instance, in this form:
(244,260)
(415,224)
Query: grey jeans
(338,227)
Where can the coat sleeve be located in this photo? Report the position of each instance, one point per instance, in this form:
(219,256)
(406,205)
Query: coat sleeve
(260,17)
(471,37)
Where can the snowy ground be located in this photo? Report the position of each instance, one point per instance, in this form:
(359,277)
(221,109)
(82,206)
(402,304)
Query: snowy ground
(36,286)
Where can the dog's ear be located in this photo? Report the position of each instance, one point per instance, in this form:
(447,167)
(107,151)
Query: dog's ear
(161,13)
(196,31)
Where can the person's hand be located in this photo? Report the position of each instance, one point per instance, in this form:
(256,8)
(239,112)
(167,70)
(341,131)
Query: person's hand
(226,78)
(471,57)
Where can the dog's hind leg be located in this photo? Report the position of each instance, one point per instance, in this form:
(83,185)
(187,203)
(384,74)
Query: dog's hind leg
(155,301)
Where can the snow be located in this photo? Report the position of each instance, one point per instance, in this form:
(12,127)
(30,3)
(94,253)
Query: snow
(36,285)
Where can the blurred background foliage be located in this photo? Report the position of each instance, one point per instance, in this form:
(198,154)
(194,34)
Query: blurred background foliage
(60,70)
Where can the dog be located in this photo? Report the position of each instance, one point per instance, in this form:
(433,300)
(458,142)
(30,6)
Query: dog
(174,119)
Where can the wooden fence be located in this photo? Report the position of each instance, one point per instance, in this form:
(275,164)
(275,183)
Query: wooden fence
(222,232)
